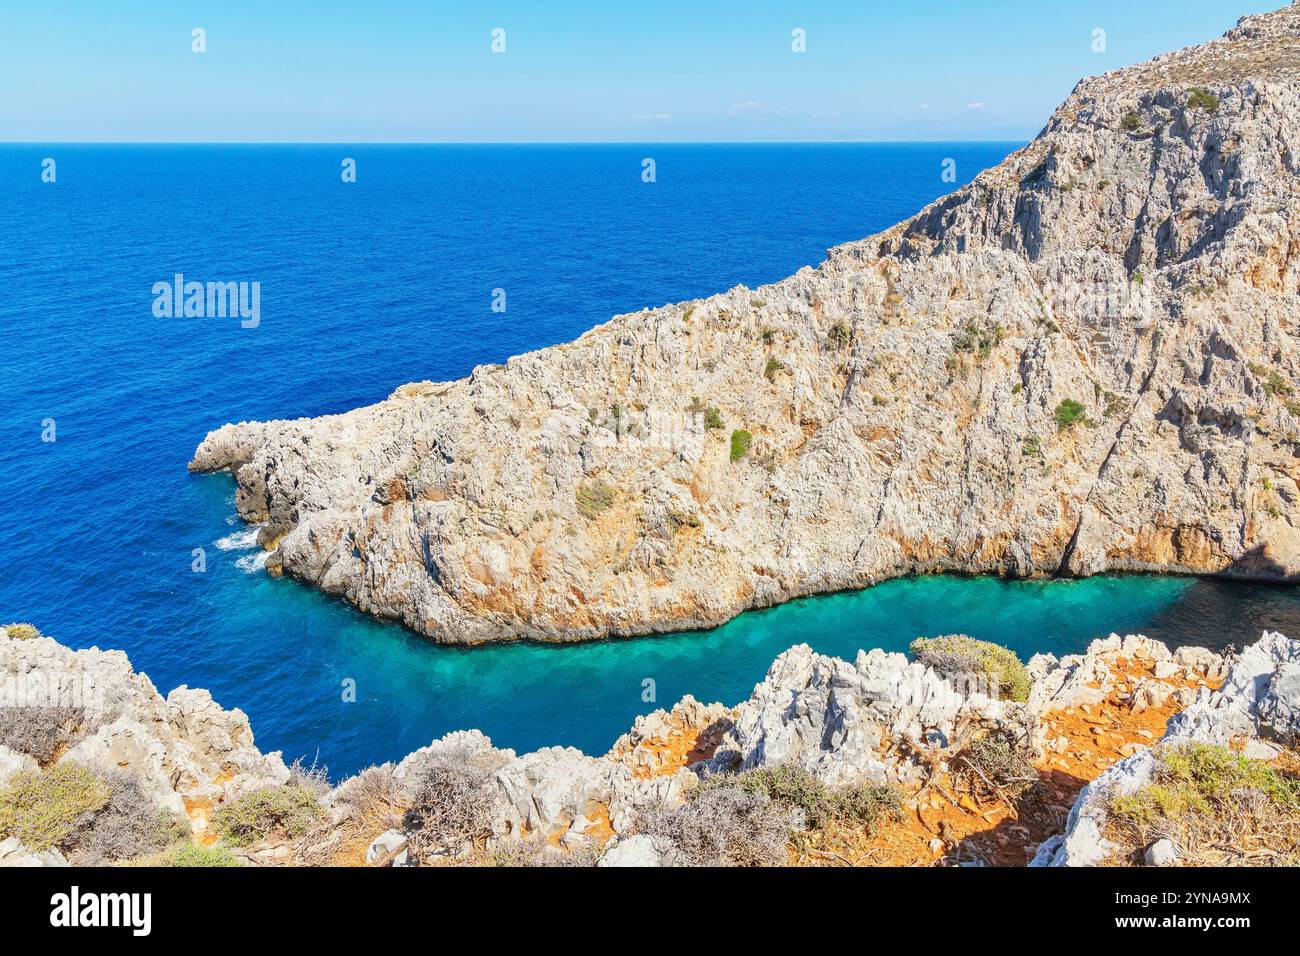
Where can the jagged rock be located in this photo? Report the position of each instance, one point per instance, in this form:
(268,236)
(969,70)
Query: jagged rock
(13,853)
(689,723)
(1137,258)
(1151,693)
(182,748)
(550,788)
(1252,702)
(389,842)
(11,762)
(843,721)
(632,851)
(1161,853)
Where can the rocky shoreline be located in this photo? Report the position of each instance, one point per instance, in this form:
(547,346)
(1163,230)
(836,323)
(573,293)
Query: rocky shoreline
(1088,723)
(1082,361)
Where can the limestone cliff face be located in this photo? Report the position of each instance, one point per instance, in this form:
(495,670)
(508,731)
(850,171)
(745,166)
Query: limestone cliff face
(911,401)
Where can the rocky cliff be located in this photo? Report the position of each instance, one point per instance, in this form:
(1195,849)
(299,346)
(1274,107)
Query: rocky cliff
(884,721)
(1083,361)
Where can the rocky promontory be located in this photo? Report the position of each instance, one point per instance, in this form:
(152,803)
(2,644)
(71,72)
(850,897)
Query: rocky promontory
(1083,361)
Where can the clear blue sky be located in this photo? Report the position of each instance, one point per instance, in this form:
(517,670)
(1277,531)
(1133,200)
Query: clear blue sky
(665,70)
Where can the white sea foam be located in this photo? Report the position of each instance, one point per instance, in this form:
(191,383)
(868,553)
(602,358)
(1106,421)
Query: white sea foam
(252,563)
(241,540)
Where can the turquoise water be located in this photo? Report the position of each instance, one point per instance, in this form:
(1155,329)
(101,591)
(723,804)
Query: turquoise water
(527,695)
(386,281)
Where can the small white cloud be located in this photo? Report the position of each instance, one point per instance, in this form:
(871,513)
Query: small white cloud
(975,106)
(652,116)
(747,106)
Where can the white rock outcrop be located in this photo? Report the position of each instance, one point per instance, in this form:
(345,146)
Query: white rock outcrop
(849,723)
(185,748)
(1257,702)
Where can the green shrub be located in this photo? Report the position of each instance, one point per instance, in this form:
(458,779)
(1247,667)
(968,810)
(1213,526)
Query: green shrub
(1198,778)
(677,520)
(1032,447)
(774,365)
(1199,98)
(740,442)
(1271,380)
(980,339)
(840,335)
(21,632)
(768,336)
(957,654)
(1068,413)
(194,854)
(712,417)
(287,811)
(1131,122)
(45,810)
(593,498)
(1218,807)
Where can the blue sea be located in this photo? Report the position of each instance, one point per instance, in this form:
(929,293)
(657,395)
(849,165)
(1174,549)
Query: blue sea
(366,286)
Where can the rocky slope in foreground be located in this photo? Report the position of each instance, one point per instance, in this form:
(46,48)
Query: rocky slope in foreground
(1083,361)
(882,722)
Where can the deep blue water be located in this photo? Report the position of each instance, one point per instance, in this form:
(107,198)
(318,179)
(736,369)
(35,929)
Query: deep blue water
(389,280)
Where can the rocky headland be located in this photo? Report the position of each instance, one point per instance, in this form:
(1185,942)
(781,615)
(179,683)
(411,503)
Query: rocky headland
(886,760)
(1083,361)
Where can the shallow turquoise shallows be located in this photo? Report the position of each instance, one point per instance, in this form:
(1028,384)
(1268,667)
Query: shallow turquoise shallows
(367,286)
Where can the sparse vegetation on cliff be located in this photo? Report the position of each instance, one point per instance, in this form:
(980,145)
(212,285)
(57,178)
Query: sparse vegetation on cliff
(954,655)
(740,444)
(45,809)
(1199,98)
(998,766)
(1069,412)
(288,811)
(724,826)
(452,811)
(21,632)
(712,417)
(1215,806)
(594,498)
(792,786)
(840,336)
(130,825)
(39,731)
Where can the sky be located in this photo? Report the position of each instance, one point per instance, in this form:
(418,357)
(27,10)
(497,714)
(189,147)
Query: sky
(612,71)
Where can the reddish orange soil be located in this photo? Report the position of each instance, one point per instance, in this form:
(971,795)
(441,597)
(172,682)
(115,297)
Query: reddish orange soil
(1007,834)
